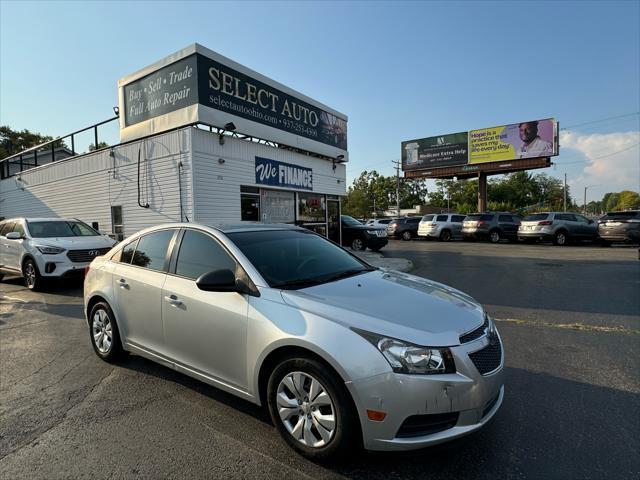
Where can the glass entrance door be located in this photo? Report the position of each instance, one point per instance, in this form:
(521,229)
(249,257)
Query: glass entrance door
(333,214)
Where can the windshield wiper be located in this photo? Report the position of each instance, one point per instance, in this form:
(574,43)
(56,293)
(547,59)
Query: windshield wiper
(347,273)
(299,283)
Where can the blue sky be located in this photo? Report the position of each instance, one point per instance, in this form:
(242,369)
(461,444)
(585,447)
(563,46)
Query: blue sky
(398,70)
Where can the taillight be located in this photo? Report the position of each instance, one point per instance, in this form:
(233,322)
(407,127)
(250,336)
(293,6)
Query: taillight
(480,223)
(86,269)
(546,222)
(434,224)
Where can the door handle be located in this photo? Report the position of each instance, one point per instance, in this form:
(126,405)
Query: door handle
(123,283)
(173,300)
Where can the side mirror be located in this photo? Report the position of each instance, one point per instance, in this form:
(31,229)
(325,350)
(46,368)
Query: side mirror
(14,236)
(218,281)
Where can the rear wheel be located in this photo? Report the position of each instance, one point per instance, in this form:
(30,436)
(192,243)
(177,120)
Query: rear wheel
(31,275)
(358,244)
(560,238)
(494,236)
(445,236)
(311,409)
(104,333)
(407,235)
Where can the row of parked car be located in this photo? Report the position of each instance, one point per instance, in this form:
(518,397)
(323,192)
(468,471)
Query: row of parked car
(561,228)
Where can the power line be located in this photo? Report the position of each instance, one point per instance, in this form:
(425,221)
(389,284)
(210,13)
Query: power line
(600,157)
(600,120)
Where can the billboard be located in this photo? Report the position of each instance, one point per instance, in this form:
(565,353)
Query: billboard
(440,151)
(199,85)
(532,139)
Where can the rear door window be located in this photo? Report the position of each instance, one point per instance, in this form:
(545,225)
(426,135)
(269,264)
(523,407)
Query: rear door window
(442,218)
(457,218)
(505,218)
(414,220)
(567,217)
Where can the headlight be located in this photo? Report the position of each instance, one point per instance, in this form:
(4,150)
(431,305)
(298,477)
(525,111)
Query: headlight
(407,358)
(50,250)
(372,232)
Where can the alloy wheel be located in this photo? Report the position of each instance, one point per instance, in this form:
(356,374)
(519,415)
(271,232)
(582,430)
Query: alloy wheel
(561,238)
(357,244)
(30,275)
(102,331)
(495,236)
(406,236)
(306,409)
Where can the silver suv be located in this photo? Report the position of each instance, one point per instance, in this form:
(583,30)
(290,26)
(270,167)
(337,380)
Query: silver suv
(444,226)
(559,227)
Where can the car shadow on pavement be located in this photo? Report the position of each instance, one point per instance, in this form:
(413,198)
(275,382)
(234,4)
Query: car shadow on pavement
(67,287)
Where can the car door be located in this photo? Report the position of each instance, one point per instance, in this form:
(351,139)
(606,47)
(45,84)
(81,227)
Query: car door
(572,224)
(4,243)
(588,228)
(456,224)
(205,331)
(137,284)
(14,248)
(507,225)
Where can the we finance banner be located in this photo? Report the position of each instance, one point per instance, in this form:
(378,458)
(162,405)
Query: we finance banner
(532,139)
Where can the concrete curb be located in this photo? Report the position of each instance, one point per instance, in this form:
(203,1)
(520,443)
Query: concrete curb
(377,259)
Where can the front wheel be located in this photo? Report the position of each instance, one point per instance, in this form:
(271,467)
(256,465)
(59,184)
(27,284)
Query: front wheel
(560,238)
(311,408)
(32,278)
(406,236)
(358,244)
(445,236)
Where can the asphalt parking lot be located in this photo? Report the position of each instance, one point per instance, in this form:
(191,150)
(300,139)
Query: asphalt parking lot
(569,318)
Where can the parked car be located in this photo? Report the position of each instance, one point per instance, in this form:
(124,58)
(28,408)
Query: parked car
(405,228)
(559,227)
(620,227)
(43,248)
(284,318)
(443,226)
(360,237)
(379,222)
(493,226)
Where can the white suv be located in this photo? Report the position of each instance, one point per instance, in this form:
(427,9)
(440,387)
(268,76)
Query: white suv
(40,248)
(444,226)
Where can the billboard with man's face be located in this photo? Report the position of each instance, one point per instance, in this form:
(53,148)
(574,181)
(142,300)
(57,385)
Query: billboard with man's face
(533,139)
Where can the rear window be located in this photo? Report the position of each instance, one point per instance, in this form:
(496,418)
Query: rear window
(479,216)
(427,218)
(621,215)
(536,217)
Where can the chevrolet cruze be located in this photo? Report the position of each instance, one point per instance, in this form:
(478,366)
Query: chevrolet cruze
(341,353)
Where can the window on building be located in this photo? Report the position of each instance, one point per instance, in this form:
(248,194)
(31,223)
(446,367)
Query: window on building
(250,204)
(117,226)
(200,253)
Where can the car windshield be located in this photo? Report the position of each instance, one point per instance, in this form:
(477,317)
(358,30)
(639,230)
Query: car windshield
(293,259)
(60,228)
(350,220)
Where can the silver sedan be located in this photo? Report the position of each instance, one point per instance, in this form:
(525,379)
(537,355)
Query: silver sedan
(341,353)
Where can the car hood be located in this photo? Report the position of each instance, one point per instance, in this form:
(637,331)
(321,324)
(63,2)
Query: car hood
(76,243)
(394,304)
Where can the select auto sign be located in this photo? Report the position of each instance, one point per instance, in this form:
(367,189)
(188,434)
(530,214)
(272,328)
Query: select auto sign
(280,174)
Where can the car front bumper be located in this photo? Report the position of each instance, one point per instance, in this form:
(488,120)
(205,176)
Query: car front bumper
(473,397)
(53,266)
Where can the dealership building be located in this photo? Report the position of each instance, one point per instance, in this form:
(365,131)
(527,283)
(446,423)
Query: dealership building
(202,139)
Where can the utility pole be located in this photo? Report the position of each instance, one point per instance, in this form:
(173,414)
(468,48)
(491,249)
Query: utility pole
(397,164)
(584,204)
(565,193)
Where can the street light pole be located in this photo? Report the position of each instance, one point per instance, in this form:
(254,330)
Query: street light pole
(397,163)
(565,193)
(584,204)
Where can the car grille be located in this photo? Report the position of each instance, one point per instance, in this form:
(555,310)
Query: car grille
(84,256)
(419,425)
(475,334)
(488,359)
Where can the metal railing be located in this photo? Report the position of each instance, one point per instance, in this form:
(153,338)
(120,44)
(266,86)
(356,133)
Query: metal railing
(28,158)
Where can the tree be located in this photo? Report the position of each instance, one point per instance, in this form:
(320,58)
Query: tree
(14,141)
(92,147)
(628,200)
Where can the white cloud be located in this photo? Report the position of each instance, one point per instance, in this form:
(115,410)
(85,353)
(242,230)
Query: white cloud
(620,171)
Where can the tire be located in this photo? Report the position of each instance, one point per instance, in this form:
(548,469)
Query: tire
(445,236)
(358,244)
(561,238)
(302,372)
(495,236)
(32,278)
(114,351)
(406,235)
